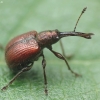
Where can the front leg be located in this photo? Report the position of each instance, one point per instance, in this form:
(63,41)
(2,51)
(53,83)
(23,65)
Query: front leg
(63,58)
(44,73)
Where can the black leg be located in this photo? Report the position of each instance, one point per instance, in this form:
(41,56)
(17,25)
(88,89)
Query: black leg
(61,57)
(14,78)
(44,73)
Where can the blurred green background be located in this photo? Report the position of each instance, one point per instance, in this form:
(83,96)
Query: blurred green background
(17,17)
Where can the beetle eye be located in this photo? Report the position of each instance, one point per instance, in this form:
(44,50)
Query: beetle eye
(29,64)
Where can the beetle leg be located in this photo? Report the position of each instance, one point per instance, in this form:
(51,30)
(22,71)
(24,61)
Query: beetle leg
(44,73)
(63,58)
(14,78)
(63,52)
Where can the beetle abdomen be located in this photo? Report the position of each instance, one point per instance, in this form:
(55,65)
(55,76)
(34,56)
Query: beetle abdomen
(22,50)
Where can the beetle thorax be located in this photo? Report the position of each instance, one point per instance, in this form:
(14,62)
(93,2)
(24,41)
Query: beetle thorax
(47,38)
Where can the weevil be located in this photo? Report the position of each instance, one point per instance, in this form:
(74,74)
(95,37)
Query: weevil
(22,51)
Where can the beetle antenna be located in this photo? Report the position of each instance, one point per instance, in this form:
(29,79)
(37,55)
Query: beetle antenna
(79,17)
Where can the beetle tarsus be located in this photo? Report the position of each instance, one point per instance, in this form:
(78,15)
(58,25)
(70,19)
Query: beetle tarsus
(76,74)
(4,88)
(46,90)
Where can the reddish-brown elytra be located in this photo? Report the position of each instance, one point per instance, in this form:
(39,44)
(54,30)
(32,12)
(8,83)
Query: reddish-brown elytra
(23,50)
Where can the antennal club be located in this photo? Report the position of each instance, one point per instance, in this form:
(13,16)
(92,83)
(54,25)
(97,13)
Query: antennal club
(80,17)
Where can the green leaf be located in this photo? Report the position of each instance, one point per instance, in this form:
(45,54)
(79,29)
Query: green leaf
(17,17)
